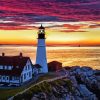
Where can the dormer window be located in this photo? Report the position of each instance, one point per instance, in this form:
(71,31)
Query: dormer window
(1,67)
(9,67)
(5,67)
(17,66)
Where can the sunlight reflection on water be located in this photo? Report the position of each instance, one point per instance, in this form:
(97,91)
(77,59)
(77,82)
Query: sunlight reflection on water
(69,56)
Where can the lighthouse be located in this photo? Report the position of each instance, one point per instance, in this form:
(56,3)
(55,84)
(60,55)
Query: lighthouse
(41,50)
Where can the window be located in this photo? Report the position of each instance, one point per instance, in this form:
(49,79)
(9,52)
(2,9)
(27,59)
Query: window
(17,66)
(25,67)
(1,67)
(16,78)
(9,67)
(28,66)
(29,74)
(3,77)
(7,78)
(25,76)
(13,78)
(5,67)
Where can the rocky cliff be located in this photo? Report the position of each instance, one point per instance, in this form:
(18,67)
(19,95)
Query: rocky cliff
(78,83)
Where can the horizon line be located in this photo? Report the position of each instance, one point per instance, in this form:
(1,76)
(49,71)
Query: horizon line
(54,45)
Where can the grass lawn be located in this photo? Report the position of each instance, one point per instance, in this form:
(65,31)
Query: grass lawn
(47,88)
(6,93)
(49,75)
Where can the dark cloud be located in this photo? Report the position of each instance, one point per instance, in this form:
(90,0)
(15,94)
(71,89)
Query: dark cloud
(30,11)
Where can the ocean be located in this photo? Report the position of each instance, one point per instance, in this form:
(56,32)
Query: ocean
(69,56)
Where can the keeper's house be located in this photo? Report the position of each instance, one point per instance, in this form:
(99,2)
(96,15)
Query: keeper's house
(15,70)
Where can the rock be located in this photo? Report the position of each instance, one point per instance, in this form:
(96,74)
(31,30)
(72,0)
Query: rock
(80,83)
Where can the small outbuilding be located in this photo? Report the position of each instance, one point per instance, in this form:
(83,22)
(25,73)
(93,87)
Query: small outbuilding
(54,66)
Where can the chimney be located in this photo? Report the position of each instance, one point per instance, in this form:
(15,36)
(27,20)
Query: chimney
(21,54)
(3,54)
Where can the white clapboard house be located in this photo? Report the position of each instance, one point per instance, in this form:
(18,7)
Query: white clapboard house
(15,70)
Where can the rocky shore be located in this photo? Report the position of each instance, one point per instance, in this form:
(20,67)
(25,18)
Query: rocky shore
(86,81)
(78,83)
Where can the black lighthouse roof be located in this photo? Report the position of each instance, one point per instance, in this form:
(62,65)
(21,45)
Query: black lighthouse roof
(41,27)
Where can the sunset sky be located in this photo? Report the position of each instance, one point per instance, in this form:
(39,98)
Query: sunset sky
(67,22)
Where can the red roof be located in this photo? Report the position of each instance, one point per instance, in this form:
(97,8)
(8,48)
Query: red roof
(54,66)
(18,63)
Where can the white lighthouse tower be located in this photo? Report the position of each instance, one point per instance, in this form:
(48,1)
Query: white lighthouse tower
(41,50)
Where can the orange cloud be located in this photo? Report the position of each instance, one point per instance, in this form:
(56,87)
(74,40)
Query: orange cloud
(73,31)
(95,26)
(75,27)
